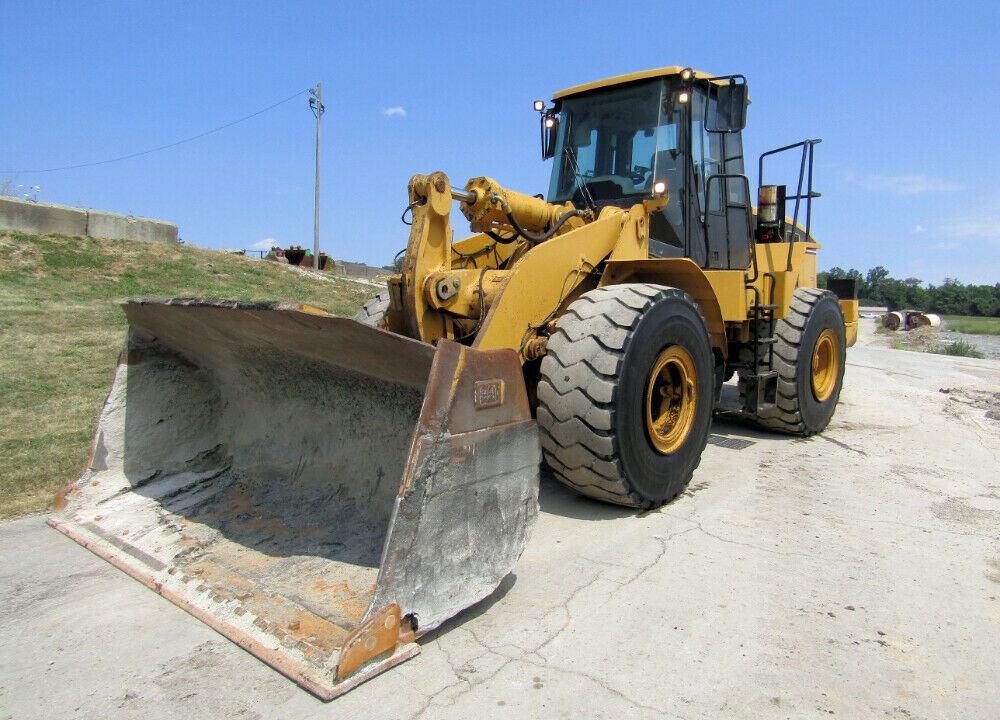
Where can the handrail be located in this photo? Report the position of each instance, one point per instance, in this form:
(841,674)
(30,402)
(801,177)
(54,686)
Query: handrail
(806,161)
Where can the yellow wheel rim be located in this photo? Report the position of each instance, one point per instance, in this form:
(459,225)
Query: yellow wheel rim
(825,366)
(671,399)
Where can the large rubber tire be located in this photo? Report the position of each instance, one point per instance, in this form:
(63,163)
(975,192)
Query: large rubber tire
(614,350)
(810,355)
(374,311)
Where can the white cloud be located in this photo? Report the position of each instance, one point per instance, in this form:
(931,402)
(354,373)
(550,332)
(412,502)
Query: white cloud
(977,221)
(265,244)
(397,111)
(919,229)
(985,227)
(902,185)
(947,246)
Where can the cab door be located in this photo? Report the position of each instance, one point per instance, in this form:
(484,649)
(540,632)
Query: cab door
(722,188)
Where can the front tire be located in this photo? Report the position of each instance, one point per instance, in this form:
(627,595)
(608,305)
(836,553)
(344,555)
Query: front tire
(625,395)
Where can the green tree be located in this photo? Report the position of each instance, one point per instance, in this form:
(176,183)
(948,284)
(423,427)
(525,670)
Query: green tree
(983,300)
(876,276)
(951,298)
(916,296)
(878,287)
(864,294)
(892,292)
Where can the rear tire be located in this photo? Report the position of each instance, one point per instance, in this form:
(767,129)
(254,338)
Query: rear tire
(625,395)
(374,311)
(809,356)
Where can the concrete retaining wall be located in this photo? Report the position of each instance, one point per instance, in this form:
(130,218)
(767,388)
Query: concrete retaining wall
(41,218)
(109,225)
(45,218)
(360,269)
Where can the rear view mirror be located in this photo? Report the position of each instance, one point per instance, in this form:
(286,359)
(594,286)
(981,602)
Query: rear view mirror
(731,109)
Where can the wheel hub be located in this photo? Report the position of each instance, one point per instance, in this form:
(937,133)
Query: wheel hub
(671,399)
(825,366)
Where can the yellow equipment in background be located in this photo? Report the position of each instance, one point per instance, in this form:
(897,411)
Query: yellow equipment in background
(324,490)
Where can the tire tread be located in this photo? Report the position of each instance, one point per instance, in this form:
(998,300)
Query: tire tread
(578,386)
(786,415)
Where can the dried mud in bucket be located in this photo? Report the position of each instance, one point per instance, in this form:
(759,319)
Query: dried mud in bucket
(250,463)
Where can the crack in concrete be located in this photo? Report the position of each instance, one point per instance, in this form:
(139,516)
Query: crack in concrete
(569,616)
(987,442)
(532,658)
(600,682)
(470,684)
(932,531)
(429,698)
(664,540)
(772,551)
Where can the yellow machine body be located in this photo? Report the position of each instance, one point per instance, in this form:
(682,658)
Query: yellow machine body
(322,491)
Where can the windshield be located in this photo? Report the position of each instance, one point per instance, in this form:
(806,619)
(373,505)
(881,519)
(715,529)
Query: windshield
(614,143)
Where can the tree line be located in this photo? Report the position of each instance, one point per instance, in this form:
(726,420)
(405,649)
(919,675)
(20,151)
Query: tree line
(877,287)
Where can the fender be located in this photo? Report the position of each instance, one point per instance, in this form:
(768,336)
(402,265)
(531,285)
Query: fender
(680,273)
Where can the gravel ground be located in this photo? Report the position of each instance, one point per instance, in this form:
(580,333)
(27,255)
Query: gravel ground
(989,345)
(924,339)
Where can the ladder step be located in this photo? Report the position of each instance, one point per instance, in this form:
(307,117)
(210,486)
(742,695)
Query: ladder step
(767,341)
(761,391)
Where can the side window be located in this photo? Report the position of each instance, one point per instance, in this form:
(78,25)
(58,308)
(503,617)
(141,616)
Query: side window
(713,165)
(702,145)
(586,154)
(715,153)
(643,151)
(577,164)
(733,145)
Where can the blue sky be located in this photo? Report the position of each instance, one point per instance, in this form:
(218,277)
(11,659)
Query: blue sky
(902,94)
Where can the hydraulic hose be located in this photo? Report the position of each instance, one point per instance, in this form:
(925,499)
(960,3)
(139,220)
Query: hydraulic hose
(534,239)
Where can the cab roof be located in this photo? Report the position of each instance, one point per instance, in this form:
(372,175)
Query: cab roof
(631,77)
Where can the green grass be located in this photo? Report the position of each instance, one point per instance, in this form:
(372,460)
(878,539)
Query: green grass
(61,330)
(973,325)
(960,348)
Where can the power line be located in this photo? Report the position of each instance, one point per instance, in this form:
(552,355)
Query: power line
(162,147)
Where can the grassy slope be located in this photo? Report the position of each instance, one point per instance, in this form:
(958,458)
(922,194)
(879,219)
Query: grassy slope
(61,331)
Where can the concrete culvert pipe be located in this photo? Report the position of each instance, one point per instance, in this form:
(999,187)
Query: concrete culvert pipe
(892,320)
(919,319)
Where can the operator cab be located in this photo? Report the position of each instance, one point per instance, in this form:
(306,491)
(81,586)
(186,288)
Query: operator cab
(614,139)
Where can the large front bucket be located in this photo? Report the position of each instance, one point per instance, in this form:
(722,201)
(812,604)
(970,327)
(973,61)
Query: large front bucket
(319,491)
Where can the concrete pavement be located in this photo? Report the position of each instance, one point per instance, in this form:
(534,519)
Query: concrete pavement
(854,574)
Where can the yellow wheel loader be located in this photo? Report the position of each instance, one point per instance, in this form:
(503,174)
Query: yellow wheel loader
(324,490)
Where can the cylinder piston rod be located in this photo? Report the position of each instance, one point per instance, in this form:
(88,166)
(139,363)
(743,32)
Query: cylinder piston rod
(469,197)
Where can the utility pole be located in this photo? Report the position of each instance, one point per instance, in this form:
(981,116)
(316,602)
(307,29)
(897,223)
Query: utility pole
(317,107)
